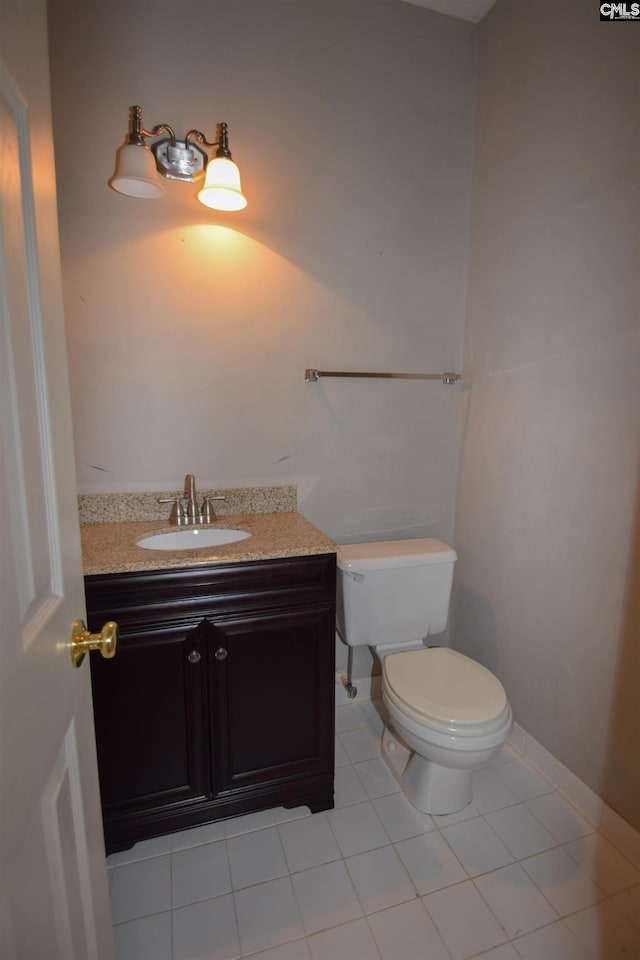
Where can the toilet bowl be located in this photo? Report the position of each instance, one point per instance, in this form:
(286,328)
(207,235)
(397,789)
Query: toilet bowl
(448,714)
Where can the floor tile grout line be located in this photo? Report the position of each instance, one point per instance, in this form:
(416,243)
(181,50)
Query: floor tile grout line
(235,905)
(560,916)
(171,941)
(247,956)
(492,911)
(467,879)
(545,926)
(497,767)
(345,857)
(144,916)
(418,896)
(366,916)
(275,946)
(375,813)
(519,802)
(517,859)
(433,919)
(519,862)
(373,935)
(344,860)
(297,902)
(584,873)
(557,793)
(601,836)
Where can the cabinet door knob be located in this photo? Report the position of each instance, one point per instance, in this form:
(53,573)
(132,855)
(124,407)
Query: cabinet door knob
(220,653)
(194,657)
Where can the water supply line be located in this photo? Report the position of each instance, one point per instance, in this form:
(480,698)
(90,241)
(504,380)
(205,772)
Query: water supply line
(352,692)
(345,679)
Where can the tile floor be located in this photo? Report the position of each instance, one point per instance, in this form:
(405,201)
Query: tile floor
(518,875)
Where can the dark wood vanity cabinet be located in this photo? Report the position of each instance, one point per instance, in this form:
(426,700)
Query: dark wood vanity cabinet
(220,699)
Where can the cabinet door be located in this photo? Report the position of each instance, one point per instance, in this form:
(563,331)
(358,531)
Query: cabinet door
(148,706)
(272,713)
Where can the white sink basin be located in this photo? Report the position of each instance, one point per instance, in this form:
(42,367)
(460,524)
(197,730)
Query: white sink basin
(192,539)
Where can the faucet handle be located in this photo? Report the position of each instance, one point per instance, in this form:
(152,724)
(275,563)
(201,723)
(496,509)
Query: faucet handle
(177,514)
(208,512)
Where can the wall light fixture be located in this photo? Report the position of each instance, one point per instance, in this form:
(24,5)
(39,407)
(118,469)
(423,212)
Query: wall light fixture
(139,166)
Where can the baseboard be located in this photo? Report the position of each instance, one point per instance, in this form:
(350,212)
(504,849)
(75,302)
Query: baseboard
(610,824)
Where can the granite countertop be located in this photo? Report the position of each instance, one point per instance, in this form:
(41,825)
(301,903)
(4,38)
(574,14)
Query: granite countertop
(111,547)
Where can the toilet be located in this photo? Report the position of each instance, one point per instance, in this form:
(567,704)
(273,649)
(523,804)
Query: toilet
(448,714)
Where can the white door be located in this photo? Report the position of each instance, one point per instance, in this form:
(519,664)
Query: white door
(53,885)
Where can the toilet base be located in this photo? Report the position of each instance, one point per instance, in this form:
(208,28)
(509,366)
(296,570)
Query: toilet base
(428,786)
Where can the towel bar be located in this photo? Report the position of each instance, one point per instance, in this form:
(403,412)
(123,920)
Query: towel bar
(311,376)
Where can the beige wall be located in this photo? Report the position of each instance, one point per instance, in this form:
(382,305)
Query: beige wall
(189,331)
(352,122)
(547,501)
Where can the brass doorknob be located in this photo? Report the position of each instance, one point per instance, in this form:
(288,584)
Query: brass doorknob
(82,641)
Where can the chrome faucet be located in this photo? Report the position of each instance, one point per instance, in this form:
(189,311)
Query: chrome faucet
(188,513)
(190,497)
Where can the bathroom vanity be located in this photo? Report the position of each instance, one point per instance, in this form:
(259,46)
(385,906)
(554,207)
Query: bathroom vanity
(220,700)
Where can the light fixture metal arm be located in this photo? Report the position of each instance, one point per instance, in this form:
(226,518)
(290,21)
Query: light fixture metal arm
(137,132)
(200,137)
(222,143)
(159,129)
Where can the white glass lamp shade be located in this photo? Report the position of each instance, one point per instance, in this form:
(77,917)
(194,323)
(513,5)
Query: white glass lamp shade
(135,174)
(222,190)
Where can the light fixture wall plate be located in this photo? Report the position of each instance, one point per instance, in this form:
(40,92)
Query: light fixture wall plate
(180,160)
(140,165)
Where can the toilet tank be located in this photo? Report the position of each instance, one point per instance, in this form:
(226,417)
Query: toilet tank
(393,591)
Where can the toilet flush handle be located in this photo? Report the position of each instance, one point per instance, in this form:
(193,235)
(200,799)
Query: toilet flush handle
(358,577)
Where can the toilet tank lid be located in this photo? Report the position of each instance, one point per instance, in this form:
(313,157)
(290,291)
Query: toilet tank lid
(396,553)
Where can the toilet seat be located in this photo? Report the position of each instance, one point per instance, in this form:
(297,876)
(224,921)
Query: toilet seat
(446,691)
